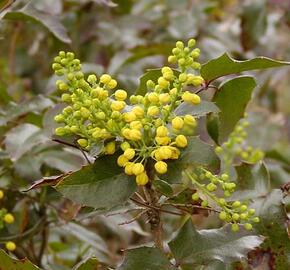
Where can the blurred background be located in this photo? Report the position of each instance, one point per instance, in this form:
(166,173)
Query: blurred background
(122,38)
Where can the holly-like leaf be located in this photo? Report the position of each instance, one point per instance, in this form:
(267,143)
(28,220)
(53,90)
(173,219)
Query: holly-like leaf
(253,181)
(232,98)
(101,185)
(225,65)
(8,263)
(51,22)
(273,225)
(151,74)
(200,247)
(145,258)
(163,187)
(201,109)
(197,152)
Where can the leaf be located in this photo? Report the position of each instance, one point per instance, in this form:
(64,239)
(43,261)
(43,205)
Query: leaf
(88,264)
(8,263)
(253,181)
(253,23)
(225,65)
(232,98)
(13,110)
(273,225)
(51,22)
(23,138)
(163,187)
(201,109)
(151,74)
(101,185)
(145,258)
(197,152)
(199,247)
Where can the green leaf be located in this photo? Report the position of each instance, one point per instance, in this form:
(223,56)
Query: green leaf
(13,110)
(151,74)
(51,22)
(8,263)
(89,264)
(199,247)
(253,23)
(145,258)
(197,152)
(163,187)
(232,98)
(273,225)
(253,181)
(225,65)
(101,185)
(201,109)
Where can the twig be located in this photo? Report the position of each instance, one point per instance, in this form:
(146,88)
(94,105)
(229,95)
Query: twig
(191,206)
(134,218)
(140,197)
(124,212)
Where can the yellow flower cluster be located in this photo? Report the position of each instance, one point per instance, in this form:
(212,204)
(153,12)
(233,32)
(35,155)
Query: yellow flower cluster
(7,218)
(143,127)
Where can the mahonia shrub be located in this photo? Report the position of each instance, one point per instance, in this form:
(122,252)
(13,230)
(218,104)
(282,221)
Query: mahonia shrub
(148,153)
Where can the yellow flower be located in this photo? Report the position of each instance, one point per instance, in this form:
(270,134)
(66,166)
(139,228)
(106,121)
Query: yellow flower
(129,168)
(181,141)
(177,123)
(118,105)
(122,161)
(164,98)
(189,120)
(105,78)
(83,142)
(195,99)
(163,83)
(160,167)
(165,152)
(8,218)
(153,111)
(162,131)
(163,140)
(1,194)
(120,95)
(129,117)
(138,111)
(135,135)
(110,148)
(153,97)
(137,168)
(136,125)
(142,179)
(10,246)
(129,153)
(112,84)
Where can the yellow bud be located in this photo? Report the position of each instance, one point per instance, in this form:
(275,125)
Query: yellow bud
(85,113)
(126,133)
(189,120)
(162,131)
(187,96)
(194,80)
(142,179)
(160,167)
(122,161)
(153,111)
(163,140)
(8,218)
(164,98)
(157,155)
(175,152)
(129,168)
(163,83)
(1,194)
(135,135)
(10,246)
(83,142)
(195,99)
(129,153)
(137,168)
(166,70)
(120,95)
(172,59)
(182,77)
(153,97)
(173,91)
(118,105)
(165,152)
(181,141)
(112,84)
(125,145)
(105,78)
(139,111)
(177,123)
(110,148)
(169,76)
(136,125)
(129,117)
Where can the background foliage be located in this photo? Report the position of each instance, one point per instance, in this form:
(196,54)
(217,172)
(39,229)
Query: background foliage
(124,38)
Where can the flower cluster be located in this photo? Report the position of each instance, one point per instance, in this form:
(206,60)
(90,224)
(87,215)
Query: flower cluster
(6,218)
(143,127)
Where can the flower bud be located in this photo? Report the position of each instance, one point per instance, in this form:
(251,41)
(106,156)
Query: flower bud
(129,153)
(105,78)
(181,141)
(177,123)
(142,179)
(83,143)
(137,168)
(110,148)
(160,167)
(8,218)
(10,246)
